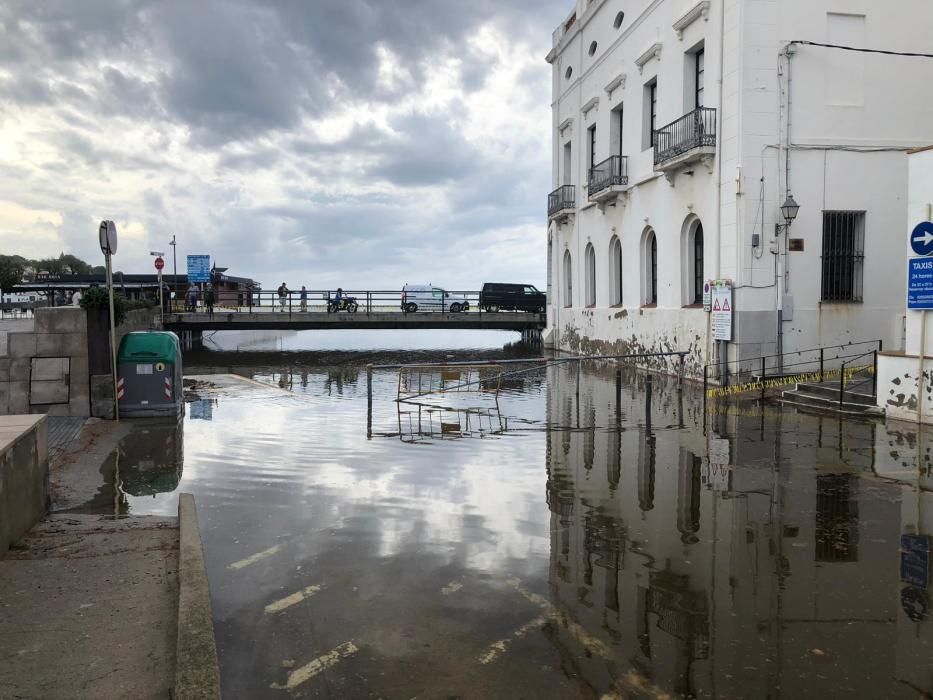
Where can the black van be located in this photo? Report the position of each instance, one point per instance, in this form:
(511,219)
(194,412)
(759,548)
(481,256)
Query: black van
(511,297)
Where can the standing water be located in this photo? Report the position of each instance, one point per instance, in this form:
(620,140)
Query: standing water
(551,543)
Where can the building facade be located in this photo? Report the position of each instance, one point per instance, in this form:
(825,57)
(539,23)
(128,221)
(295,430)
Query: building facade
(679,130)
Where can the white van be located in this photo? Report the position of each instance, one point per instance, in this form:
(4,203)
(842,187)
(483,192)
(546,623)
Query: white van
(426,297)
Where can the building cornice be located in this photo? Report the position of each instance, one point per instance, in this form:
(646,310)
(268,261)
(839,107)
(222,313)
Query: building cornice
(617,83)
(701,9)
(654,51)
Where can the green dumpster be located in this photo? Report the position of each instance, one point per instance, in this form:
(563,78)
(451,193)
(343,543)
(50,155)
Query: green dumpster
(149,375)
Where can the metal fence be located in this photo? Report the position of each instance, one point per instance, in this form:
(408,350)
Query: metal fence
(612,172)
(561,198)
(693,130)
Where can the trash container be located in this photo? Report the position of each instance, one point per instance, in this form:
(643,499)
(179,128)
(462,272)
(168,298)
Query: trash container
(149,375)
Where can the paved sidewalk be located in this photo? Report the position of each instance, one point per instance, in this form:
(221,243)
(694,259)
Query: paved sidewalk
(88,609)
(62,430)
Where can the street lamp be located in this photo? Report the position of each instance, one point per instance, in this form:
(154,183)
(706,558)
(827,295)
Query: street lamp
(789,209)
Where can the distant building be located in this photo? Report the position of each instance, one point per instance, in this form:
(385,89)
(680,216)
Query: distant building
(230,290)
(680,128)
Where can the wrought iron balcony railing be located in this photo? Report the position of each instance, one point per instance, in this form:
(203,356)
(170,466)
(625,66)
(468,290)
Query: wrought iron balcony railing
(561,198)
(695,129)
(611,172)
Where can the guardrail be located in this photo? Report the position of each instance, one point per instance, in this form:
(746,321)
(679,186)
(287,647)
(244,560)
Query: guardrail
(693,130)
(561,198)
(316,301)
(772,371)
(612,172)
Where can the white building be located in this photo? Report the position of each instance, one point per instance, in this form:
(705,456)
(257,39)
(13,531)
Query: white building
(679,129)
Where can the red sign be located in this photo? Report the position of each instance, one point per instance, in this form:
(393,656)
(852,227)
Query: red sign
(159,263)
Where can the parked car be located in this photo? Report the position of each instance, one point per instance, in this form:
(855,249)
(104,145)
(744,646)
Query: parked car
(497,296)
(426,297)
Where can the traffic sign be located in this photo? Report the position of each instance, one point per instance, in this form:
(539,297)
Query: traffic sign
(722,310)
(159,264)
(921,238)
(920,283)
(199,268)
(708,295)
(108,237)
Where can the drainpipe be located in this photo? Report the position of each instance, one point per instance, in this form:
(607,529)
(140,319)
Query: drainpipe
(717,252)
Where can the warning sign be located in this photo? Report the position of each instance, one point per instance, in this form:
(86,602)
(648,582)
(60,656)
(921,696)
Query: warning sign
(722,310)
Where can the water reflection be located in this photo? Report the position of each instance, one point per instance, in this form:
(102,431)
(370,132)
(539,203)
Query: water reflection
(760,560)
(150,461)
(608,535)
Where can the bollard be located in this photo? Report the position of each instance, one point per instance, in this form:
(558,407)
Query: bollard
(369,402)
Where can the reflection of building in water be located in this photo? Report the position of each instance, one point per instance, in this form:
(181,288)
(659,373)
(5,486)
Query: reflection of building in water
(151,459)
(202,409)
(763,565)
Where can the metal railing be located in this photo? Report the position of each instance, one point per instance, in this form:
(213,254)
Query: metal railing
(316,301)
(799,366)
(693,130)
(612,172)
(855,365)
(561,198)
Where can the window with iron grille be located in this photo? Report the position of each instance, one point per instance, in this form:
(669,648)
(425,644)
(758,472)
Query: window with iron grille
(843,255)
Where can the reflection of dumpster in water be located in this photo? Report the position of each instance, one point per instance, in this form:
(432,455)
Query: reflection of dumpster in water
(152,458)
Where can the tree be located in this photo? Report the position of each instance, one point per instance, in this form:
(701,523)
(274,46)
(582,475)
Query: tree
(12,269)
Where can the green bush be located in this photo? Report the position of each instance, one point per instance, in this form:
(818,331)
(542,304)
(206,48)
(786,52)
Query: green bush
(96,298)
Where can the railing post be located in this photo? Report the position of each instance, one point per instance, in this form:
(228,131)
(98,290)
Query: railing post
(761,379)
(369,401)
(821,365)
(618,392)
(369,302)
(842,385)
(874,374)
(289,304)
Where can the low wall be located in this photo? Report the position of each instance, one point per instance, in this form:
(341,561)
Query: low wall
(24,475)
(897,387)
(45,368)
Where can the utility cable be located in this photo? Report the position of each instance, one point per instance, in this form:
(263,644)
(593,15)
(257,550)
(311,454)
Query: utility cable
(884,52)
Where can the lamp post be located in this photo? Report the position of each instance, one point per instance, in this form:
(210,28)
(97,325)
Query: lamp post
(174,272)
(789,211)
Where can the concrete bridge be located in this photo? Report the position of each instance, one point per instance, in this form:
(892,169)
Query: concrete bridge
(529,324)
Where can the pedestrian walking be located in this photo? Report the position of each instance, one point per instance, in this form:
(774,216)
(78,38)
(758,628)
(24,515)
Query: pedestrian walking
(303,296)
(283,295)
(209,300)
(191,298)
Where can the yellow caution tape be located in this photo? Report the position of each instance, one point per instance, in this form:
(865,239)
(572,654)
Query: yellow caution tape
(785,381)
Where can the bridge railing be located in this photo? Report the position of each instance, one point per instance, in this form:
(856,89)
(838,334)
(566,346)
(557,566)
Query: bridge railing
(315,301)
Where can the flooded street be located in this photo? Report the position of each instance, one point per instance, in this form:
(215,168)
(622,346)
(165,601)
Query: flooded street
(553,543)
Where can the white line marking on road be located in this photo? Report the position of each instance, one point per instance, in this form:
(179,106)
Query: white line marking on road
(256,557)
(452,587)
(496,649)
(321,663)
(294,598)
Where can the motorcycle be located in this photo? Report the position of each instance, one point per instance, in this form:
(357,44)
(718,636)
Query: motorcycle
(346,303)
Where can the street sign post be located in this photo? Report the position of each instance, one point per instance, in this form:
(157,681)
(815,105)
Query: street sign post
(159,264)
(722,310)
(107,235)
(921,238)
(199,268)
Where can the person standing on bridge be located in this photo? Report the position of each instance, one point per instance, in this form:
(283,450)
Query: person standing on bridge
(303,296)
(283,295)
(191,296)
(209,300)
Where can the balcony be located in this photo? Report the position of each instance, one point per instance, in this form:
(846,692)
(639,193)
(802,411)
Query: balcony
(608,179)
(689,139)
(560,203)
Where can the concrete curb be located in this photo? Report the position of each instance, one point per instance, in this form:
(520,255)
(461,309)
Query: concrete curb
(197,673)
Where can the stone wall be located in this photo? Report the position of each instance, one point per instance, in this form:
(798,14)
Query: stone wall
(45,368)
(24,475)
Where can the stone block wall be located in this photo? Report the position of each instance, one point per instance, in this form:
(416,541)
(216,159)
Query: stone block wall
(24,475)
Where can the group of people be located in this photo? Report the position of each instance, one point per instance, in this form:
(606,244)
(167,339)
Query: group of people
(191,298)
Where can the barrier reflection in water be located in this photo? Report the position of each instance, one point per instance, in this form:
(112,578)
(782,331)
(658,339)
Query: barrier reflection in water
(765,556)
(151,459)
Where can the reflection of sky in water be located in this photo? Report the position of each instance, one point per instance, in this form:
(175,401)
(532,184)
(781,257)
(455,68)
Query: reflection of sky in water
(358,340)
(478,499)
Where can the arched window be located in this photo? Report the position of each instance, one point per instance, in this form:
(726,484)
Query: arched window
(650,266)
(590,274)
(568,280)
(691,253)
(615,271)
(698,264)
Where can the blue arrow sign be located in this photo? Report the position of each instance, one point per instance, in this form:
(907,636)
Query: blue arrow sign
(921,238)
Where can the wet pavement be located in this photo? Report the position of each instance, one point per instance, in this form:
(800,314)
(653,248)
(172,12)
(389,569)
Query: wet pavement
(553,543)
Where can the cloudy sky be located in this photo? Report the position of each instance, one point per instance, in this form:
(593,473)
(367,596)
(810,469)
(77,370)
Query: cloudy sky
(322,142)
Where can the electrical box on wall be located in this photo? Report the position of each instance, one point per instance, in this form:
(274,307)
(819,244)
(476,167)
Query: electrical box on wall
(756,240)
(787,306)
